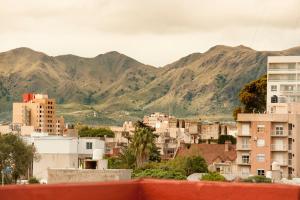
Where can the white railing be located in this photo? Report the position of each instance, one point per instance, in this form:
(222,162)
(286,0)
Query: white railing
(279,134)
(281,162)
(243,162)
(278,147)
(243,146)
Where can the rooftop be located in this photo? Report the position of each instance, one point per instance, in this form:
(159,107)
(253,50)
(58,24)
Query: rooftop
(210,152)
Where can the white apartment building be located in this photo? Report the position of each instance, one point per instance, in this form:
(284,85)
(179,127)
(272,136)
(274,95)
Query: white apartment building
(283,84)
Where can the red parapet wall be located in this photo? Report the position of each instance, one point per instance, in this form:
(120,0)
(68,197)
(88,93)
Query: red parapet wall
(151,190)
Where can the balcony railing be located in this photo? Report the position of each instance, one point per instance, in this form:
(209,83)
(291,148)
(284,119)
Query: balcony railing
(278,147)
(243,147)
(281,162)
(243,162)
(243,134)
(279,134)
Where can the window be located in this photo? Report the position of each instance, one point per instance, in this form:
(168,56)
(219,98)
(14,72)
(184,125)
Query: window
(246,129)
(273,87)
(261,172)
(260,157)
(89,145)
(245,158)
(279,130)
(260,143)
(260,128)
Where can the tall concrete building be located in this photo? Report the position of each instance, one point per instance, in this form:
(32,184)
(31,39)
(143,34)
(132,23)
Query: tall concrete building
(270,141)
(283,82)
(38,111)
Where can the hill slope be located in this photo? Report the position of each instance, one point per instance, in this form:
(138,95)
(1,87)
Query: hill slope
(113,87)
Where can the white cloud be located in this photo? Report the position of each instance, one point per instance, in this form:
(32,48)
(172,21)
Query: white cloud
(155,32)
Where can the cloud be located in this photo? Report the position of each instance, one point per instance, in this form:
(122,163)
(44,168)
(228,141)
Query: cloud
(155,32)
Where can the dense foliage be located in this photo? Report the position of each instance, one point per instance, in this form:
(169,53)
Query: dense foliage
(95,132)
(33,180)
(257,179)
(213,176)
(15,156)
(223,138)
(253,97)
(160,174)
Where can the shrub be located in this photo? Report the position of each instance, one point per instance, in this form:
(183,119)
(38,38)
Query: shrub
(95,132)
(257,179)
(159,174)
(213,176)
(33,180)
(189,165)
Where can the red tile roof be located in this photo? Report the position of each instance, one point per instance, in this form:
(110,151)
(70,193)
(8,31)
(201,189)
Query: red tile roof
(210,152)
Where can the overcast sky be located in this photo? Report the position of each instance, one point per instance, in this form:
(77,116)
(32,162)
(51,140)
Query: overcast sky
(155,32)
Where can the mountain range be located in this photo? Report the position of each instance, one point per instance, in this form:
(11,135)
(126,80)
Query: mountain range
(112,87)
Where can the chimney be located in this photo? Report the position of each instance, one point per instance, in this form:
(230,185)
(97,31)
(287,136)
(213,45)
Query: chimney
(226,144)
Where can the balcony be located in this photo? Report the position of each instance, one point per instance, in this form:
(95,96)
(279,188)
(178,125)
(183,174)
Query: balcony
(281,162)
(243,135)
(151,190)
(278,147)
(279,134)
(245,147)
(243,162)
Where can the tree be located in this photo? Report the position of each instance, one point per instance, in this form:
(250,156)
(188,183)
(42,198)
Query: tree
(223,138)
(142,143)
(254,94)
(16,155)
(95,132)
(253,97)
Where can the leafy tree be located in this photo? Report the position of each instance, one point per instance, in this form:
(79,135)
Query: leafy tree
(142,143)
(213,176)
(253,95)
(236,111)
(15,154)
(223,138)
(188,165)
(154,154)
(95,132)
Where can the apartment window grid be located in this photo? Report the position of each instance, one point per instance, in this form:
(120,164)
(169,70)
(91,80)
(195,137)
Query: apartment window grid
(261,172)
(89,145)
(279,130)
(245,158)
(273,88)
(260,157)
(260,128)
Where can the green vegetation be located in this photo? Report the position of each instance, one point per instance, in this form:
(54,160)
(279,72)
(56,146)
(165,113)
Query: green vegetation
(223,138)
(213,176)
(95,132)
(15,156)
(160,174)
(257,179)
(253,97)
(142,143)
(33,180)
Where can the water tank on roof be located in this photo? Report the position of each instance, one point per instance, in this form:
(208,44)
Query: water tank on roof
(98,154)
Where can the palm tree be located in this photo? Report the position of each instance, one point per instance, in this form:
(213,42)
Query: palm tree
(142,143)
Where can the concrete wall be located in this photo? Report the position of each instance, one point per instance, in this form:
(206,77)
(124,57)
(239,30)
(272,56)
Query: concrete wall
(96,144)
(87,175)
(46,161)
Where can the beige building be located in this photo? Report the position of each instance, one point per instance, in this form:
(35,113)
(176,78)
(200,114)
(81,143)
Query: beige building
(38,110)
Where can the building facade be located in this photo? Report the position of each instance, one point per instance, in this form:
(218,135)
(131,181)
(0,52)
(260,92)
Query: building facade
(270,141)
(38,111)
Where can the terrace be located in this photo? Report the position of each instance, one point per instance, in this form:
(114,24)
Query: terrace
(151,190)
